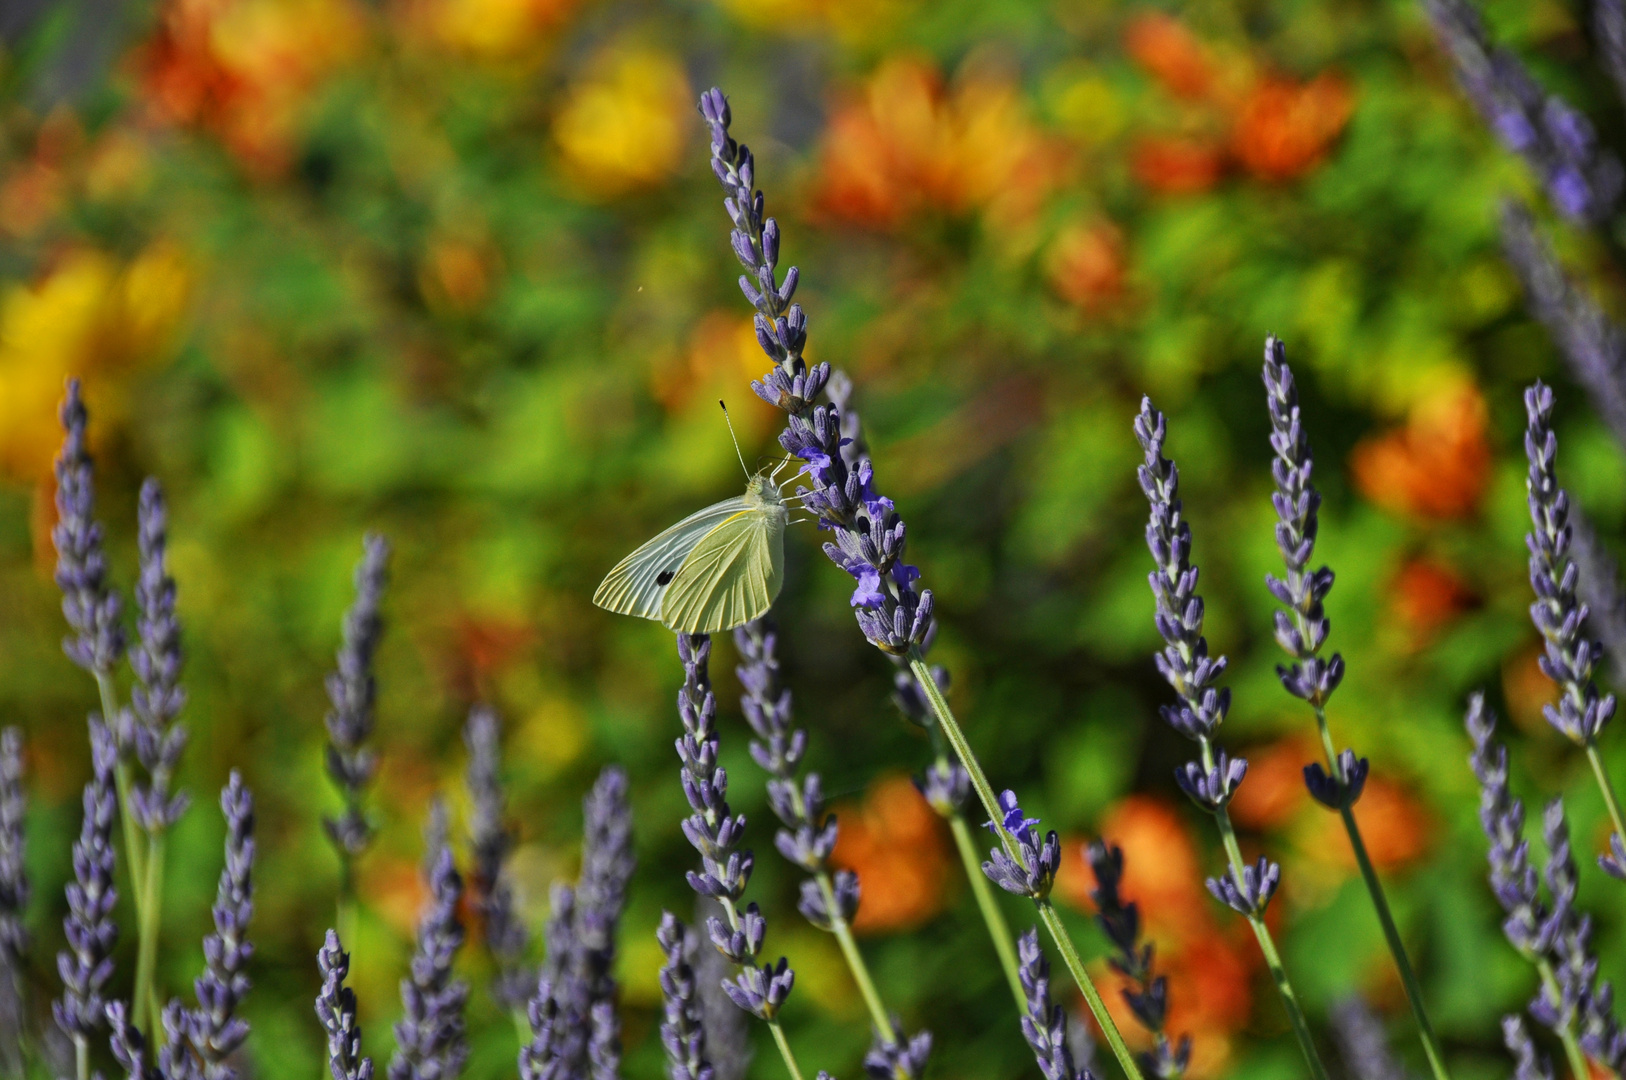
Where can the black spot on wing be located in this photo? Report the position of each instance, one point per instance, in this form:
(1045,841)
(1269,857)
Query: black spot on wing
(665,577)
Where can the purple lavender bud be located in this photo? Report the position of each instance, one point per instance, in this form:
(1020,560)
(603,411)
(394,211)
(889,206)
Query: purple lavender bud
(157,697)
(1337,792)
(1251,894)
(1212,788)
(490,840)
(908,696)
(128,1046)
(945,785)
(811,903)
(1363,1043)
(1609,35)
(906,1060)
(336,1009)
(217,1030)
(1033,871)
(176,1058)
(604,1042)
(87,963)
(1045,1025)
(1513,880)
(1580,713)
(89,604)
(430,1036)
(683,1031)
(1148,996)
(352,690)
(607,865)
(740,944)
(14,886)
(1528,1065)
(761,991)
(711,828)
(1614,863)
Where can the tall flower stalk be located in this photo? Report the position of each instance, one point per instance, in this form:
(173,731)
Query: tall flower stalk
(1213,778)
(1581,712)
(87,962)
(14,893)
(490,840)
(336,1009)
(892,612)
(429,1038)
(1301,630)
(715,831)
(829,897)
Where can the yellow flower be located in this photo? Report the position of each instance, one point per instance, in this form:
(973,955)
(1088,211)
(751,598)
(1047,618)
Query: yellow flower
(622,127)
(493,29)
(89,317)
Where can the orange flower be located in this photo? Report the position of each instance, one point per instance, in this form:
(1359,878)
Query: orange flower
(455,275)
(1170,53)
(1177,165)
(1274,792)
(1437,466)
(894,843)
(1427,596)
(243,69)
(624,125)
(1086,264)
(1284,129)
(909,145)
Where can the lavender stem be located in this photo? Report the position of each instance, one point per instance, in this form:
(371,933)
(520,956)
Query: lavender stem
(998,928)
(1047,910)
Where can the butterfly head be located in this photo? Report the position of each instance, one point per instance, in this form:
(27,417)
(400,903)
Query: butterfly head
(762,490)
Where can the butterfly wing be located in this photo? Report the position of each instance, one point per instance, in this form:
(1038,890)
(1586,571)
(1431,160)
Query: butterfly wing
(637,583)
(732,576)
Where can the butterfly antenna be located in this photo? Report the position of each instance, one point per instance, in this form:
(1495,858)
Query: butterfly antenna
(730,422)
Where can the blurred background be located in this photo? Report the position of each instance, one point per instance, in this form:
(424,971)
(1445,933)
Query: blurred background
(457,271)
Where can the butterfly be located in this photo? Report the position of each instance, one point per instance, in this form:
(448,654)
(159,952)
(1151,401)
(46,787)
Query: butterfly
(716,569)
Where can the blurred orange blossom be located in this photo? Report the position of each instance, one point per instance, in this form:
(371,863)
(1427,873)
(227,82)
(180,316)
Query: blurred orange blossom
(623,126)
(894,842)
(1437,465)
(1426,596)
(1087,265)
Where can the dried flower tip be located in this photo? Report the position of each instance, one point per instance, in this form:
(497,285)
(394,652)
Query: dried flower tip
(905,1060)
(1251,894)
(1212,788)
(761,991)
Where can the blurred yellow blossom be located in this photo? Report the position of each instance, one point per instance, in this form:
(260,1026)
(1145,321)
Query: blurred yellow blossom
(623,125)
(853,21)
(489,30)
(89,317)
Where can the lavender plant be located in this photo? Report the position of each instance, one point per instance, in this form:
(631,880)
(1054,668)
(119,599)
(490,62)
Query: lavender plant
(352,691)
(683,1029)
(14,893)
(336,1010)
(1581,712)
(217,1029)
(87,962)
(1148,994)
(1044,1025)
(429,1038)
(1301,630)
(893,614)
(829,897)
(503,932)
(1362,1043)
(1212,780)
(715,833)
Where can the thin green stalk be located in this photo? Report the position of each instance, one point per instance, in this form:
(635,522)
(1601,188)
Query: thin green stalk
(1606,787)
(855,961)
(962,748)
(1267,943)
(134,853)
(1380,903)
(81,1057)
(773,1025)
(345,915)
(998,929)
(1566,1035)
(146,989)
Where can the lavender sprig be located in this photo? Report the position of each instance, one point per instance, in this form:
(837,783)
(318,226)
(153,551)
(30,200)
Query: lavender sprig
(218,1028)
(829,896)
(429,1038)
(1581,712)
(1362,1042)
(1194,675)
(1032,870)
(352,690)
(539,1059)
(1528,1064)
(128,1046)
(728,1030)
(14,894)
(683,1031)
(87,963)
(1044,1025)
(715,831)
(1558,143)
(336,1009)
(158,696)
(1302,628)
(90,605)
(1148,997)
(490,840)
(1530,924)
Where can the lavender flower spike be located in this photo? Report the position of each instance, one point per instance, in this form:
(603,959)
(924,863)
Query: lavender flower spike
(336,1009)
(1045,1025)
(1581,712)
(352,691)
(87,963)
(1362,1042)
(429,1037)
(90,605)
(14,886)
(218,1029)
(1033,871)
(1194,676)
(1528,1064)
(1148,997)
(156,659)
(490,840)
(683,1031)
(538,1059)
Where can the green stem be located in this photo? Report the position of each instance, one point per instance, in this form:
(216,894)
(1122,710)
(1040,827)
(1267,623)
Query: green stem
(1267,943)
(145,996)
(1606,787)
(998,929)
(855,961)
(1380,903)
(134,854)
(962,749)
(81,1057)
(345,913)
(1566,1034)
(783,1043)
